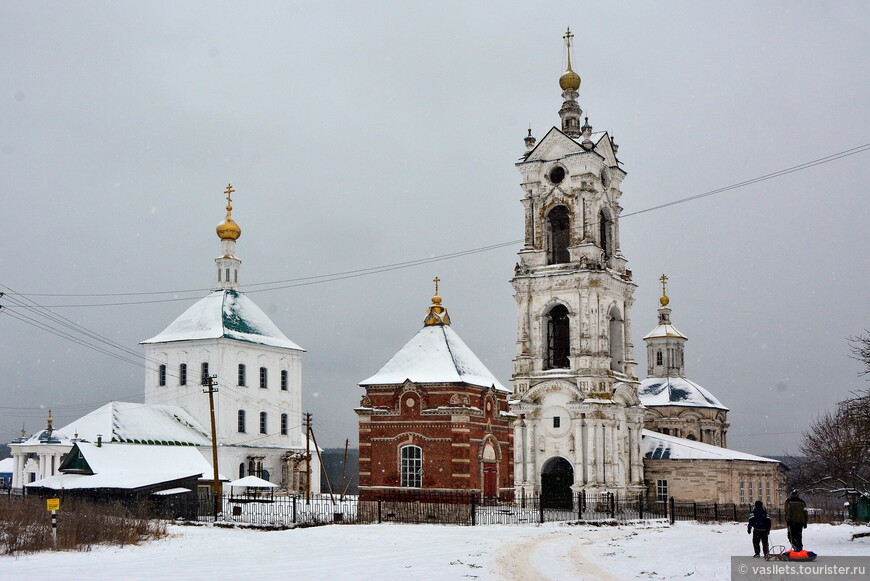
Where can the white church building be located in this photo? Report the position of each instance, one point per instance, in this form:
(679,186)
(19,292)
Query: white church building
(256,369)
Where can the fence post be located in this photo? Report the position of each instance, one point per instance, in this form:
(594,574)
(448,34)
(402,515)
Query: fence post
(640,505)
(580,504)
(695,510)
(473,509)
(379,510)
(671,507)
(716,511)
(540,506)
(734,507)
(613,506)
(294,509)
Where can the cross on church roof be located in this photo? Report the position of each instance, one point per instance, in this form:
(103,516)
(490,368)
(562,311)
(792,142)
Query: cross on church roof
(436,280)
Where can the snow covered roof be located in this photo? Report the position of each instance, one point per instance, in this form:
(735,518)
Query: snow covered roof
(435,355)
(131,466)
(42,438)
(660,446)
(254,482)
(139,423)
(661,391)
(666,330)
(6,465)
(225,313)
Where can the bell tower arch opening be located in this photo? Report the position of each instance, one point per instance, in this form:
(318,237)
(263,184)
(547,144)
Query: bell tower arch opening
(558,235)
(558,338)
(605,236)
(617,340)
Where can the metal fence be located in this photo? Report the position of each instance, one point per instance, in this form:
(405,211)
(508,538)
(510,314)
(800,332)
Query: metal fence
(457,509)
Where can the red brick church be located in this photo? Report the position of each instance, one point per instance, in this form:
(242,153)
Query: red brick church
(435,420)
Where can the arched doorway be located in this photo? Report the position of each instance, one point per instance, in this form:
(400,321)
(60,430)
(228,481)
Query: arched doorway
(557,476)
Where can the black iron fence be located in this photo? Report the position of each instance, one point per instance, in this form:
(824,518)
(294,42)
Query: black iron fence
(445,508)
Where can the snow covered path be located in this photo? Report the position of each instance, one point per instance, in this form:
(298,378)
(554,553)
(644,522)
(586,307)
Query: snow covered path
(390,552)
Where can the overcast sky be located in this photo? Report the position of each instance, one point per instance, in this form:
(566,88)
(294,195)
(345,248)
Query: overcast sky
(365,134)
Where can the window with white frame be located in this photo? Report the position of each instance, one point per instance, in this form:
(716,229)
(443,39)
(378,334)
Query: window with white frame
(242,374)
(264,378)
(662,490)
(742,492)
(161,375)
(412,467)
(263,420)
(182,374)
(768,493)
(283,424)
(751,493)
(283,380)
(204,373)
(241,421)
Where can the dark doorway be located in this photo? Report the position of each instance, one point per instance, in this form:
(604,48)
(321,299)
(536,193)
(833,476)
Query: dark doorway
(490,481)
(557,476)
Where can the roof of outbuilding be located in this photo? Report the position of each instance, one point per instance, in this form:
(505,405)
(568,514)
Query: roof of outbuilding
(661,446)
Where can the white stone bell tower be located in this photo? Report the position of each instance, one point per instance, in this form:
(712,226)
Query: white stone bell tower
(579,419)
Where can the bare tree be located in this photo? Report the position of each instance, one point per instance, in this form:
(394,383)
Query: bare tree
(859,346)
(836,447)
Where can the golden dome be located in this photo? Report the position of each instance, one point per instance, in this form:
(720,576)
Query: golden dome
(228,229)
(664,301)
(570,81)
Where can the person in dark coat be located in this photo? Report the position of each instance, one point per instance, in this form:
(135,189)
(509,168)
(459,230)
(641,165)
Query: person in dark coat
(760,521)
(795,511)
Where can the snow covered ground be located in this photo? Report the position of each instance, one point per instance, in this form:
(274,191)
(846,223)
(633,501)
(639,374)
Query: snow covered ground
(429,552)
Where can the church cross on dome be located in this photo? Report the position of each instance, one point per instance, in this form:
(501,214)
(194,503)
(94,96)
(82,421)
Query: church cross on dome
(436,280)
(229,192)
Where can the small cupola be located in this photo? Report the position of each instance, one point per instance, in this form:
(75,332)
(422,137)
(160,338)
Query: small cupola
(437,314)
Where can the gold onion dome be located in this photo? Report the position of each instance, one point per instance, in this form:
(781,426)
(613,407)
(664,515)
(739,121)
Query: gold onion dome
(228,229)
(664,300)
(570,81)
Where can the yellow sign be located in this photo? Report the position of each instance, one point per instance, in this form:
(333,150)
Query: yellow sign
(52,503)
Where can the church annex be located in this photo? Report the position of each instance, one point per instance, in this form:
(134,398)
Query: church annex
(435,420)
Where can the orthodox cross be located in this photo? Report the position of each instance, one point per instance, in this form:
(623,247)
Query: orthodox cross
(229,192)
(436,280)
(664,280)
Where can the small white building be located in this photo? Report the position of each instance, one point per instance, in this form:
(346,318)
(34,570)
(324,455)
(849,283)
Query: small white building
(40,456)
(256,370)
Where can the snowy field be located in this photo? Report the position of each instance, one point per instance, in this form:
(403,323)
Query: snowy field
(429,552)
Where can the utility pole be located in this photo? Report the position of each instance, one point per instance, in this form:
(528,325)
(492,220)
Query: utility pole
(307,458)
(209,382)
(320,461)
(344,470)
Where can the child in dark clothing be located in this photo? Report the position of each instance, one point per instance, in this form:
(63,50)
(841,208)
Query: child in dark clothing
(759,521)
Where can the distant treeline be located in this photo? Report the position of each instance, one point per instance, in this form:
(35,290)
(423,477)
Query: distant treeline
(332,466)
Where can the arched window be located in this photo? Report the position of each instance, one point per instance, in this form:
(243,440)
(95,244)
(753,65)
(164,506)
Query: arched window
(412,467)
(242,374)
(558,338)
(558,235)
(617,340)
(263,421)
(658,358)
(264,378)
(283,424)
(242,470)
(241,421)
(161,375)
(605,236)
(182,374)
(283,380)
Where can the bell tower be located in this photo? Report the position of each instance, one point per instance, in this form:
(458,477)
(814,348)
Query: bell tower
(574,385)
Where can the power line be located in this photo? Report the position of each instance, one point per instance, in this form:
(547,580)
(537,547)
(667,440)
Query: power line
(332,277)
